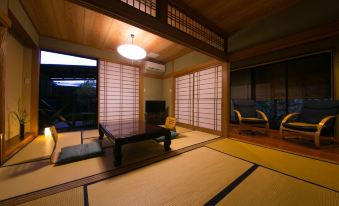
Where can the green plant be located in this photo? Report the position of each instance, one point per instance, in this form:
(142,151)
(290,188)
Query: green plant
(21,114)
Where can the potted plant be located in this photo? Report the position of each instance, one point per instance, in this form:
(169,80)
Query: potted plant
(21,115)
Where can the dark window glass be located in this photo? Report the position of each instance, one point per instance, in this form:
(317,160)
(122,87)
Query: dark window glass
(68,97)
(280,88)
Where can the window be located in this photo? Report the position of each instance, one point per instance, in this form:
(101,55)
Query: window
(118,91)
(198,98)
(68,92)
(281,87)
(64,59)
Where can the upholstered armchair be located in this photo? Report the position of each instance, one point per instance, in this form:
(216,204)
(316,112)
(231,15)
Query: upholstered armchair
(248,116)
(316,118)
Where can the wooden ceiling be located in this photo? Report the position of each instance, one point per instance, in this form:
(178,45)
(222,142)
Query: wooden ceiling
(234,15)
(61,19)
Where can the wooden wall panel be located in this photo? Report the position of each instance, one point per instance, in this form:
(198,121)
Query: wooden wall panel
(3,33)
(226,98)
(34,119)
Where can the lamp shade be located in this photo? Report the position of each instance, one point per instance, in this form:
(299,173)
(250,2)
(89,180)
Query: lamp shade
(131,51)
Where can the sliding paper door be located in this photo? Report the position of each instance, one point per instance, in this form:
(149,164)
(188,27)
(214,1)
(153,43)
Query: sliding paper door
(198,98)
(119,92)
(207,98)
(183,99)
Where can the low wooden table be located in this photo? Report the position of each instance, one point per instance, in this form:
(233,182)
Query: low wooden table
(125,132)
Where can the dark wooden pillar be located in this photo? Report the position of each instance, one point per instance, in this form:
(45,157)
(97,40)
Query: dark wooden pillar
(3,33)
(226,91)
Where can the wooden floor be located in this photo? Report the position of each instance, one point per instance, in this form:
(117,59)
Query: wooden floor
(300,146)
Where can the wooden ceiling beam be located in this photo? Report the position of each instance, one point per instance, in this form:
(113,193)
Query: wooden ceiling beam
(312,35)
(4,20)
(158,26)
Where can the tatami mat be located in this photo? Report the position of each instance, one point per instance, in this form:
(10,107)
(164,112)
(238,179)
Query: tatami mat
(90,133)
(40,148)
(188,179)
(190,138)
(182,129)
(39,175)
(265,187)
(74,197)
(104,143)
(315,171)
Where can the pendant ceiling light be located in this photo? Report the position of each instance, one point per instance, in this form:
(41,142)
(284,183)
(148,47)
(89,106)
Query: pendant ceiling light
(132,51)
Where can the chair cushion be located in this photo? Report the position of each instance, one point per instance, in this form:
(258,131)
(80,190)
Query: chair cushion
(79,152)
(253,121)
(162,138)
(247,108)
(313,111)
(306,127)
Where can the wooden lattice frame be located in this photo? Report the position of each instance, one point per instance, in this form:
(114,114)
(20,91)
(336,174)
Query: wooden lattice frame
(188,25)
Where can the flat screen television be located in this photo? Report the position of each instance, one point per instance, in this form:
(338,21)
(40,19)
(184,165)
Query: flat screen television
(155,106)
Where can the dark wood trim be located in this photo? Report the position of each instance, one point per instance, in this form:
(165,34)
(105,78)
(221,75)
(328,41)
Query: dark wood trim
(141,93)
(21,31)
(226,93)
(123,12)
(162,10)
(312,35)
(3,35)
(35,76)
(4,20)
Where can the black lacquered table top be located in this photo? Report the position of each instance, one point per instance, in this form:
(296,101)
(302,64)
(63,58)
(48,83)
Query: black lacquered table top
(127,129)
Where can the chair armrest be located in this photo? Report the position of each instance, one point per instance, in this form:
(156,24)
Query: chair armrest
(263,115)
(287,117)
(324,121)
(238,115)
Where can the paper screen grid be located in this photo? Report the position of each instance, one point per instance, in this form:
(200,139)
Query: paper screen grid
(118,92)
(198,98)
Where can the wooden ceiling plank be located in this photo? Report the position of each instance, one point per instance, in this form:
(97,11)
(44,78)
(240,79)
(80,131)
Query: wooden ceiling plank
(128,14)
(64,20)
(315,34)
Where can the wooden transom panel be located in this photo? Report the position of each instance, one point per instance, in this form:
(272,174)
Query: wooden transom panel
(67,21)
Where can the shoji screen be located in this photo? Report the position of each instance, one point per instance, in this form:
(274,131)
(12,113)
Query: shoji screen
(198,98)
(183,99)
(118,91)
(207,98)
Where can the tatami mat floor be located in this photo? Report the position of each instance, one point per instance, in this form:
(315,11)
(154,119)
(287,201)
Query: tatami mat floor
(38,175)
(225,172)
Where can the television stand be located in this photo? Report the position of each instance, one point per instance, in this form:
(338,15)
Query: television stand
(157,118)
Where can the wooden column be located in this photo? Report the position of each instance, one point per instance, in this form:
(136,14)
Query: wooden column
(141,94)
(225,121)
(5,23)
(34,118)
(336,87)
(3,33)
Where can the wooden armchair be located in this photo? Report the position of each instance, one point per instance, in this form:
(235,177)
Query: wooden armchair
(316,118)
(248,116)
